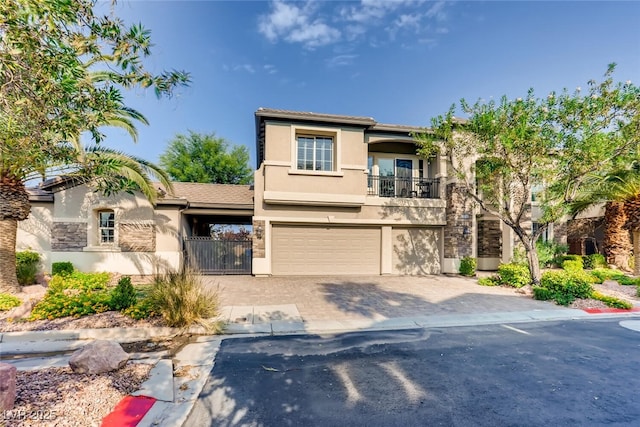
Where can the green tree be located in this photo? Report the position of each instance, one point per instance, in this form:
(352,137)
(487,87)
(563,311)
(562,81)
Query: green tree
(62,72)
(206,158)
(551,144)
(620,193)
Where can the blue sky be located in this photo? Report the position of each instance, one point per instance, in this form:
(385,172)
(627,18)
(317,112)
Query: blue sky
(400,62)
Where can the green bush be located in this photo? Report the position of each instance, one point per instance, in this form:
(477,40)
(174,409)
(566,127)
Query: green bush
(572,266)
(489,281)
(542,294)
(7,302)
(602,274)
(594,261)
(61,268)
(468,266)
(183,300)
(611,301)
(512,274)
(27,267)
(77,294)
(564,286)
(142,309)
(626,280)
(549,252)
(123,295)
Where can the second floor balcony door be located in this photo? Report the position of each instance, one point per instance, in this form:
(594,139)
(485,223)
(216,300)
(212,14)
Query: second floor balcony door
(395,177)
(404,175)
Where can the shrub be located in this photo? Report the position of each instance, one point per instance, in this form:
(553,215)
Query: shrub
(27,267)
(61,268)
(549,252)
(468,266)
(572,266)
(594,261)
(602,274)
(123,295)
(512,274)
(182,299)
(142,309)
(489,281)
(542,294)
(611,301)
(626,280)
(564,286)
(7,302)
(76,294)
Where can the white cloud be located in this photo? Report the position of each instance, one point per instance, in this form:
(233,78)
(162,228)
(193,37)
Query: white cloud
(314,24)
(296,24)
(244,67)
(270,68)
(341,60)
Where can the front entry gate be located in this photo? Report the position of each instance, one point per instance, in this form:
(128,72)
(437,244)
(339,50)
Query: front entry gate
(209,255)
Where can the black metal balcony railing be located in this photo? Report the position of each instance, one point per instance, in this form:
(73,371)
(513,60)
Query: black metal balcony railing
(393,186)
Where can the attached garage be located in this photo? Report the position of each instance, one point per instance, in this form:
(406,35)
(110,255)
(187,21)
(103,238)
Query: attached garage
(416,251)
(318,250)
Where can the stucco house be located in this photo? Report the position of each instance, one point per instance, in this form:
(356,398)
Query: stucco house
(125,233)
(332,194)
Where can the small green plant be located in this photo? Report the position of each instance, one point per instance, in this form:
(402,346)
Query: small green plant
(549,252)
(626,280)
(182,299)
(77,294)
(7,302)
(594,261)
(123,295)
(489,281)
(572,266)
(611,301)
(519,256)
(61,268)
(468,266)
(512,274)
(563,286)
(142,309)
(27,267)
(602,274)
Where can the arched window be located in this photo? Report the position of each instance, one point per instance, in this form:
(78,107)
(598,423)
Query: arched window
(106,227)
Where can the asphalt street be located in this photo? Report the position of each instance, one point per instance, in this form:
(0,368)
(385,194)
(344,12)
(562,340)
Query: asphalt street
(571,373)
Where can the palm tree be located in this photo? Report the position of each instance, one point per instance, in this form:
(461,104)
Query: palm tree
(620,192)
(107,170)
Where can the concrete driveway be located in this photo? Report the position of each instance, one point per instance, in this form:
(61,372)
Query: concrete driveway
(338,298)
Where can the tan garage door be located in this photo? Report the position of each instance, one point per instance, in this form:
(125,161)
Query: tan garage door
(307,250)
(416,251)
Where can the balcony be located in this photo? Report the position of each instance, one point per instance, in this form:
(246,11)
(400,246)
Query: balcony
(394,186)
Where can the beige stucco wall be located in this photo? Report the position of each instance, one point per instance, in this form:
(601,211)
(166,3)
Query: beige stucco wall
(78,205)
(34,232)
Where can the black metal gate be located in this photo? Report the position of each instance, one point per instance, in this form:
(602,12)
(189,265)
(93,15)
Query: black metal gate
(213,256)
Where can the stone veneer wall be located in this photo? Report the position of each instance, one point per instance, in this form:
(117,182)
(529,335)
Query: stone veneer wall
(489,238)
(459,216)
(560,233)
(258,245)
(68,236)
(134,237)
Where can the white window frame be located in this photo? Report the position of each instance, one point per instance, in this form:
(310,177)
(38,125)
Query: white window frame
(316,132)
(100,228)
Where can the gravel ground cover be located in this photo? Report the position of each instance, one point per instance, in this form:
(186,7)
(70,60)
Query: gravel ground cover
(58,397)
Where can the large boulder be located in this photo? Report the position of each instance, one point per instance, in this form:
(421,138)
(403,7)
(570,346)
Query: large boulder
(7,386)
(98,357)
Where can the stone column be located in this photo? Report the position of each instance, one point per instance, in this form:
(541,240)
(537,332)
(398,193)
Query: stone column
(458,233)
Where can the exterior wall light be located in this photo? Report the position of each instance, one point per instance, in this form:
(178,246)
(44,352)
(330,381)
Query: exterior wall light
(259,232)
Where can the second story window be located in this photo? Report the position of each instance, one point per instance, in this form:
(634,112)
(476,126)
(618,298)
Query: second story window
(315,153)
(106,227)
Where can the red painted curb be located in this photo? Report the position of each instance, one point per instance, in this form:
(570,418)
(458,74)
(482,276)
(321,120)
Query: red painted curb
(128,412)
(611,310)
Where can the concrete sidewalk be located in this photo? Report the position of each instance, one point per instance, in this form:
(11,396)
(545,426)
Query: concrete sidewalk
(270,306)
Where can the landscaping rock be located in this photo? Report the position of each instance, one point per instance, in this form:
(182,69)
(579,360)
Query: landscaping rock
(98,357)
(22,311)
(7,386)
